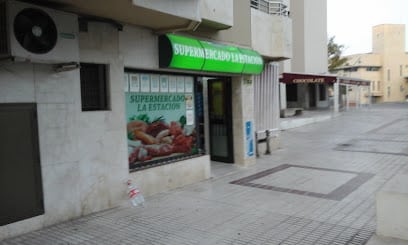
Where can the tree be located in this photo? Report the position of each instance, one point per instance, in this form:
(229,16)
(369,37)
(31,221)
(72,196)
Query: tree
(334,52)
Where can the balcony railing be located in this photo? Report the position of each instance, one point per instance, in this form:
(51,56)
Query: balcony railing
(270,7)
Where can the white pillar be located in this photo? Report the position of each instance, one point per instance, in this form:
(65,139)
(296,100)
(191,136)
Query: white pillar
(336,93)
(370,97)
(283,103)
(347,97)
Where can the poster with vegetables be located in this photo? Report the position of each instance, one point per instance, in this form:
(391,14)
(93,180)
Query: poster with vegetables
(159,125)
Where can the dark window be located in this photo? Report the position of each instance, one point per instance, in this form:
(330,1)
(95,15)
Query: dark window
(372,68)
(94,87)
(351,69)
(322,92)
(291,92)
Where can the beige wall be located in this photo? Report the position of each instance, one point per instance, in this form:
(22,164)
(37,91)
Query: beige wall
(388,82)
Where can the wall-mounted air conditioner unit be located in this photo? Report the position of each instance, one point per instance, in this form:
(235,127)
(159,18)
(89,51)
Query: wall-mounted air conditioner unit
(37,34)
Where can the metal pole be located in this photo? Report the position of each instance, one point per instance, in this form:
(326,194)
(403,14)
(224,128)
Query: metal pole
(268,147)
(256,145)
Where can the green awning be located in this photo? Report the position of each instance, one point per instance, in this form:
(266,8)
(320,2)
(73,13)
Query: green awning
(192,54)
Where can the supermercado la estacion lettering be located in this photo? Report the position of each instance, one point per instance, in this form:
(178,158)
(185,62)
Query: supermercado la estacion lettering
(215,54)
(159,102)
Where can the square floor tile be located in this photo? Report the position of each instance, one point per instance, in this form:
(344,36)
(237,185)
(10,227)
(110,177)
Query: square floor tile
(305,179)
(310,181)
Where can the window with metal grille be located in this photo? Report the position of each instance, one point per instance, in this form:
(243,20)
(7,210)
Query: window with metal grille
(94,87)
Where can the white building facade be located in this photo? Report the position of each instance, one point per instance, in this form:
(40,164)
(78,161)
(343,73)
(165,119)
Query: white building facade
(143,91)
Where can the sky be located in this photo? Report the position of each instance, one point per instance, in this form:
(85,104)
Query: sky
(351,21)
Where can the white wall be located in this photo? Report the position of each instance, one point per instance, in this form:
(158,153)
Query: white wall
(309,36)
(83,154)
(185,8)
(221,13)
(139,48)
(271,34)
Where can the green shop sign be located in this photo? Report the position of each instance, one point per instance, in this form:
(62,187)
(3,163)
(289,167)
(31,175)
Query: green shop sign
(193,54)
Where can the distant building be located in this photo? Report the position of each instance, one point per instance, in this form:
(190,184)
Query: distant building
(386,66)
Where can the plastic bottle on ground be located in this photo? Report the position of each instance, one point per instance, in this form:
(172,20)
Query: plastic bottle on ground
(135,196)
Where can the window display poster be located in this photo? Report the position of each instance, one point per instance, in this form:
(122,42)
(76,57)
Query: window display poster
(180,84)
(172,84)
(145,83)
(164,84)
(154,83)
(159,126)
(189,84)
(189,101)
(134,83)
(126,83)
(190,117)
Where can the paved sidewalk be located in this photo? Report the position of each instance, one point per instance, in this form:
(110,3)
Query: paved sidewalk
(318,189)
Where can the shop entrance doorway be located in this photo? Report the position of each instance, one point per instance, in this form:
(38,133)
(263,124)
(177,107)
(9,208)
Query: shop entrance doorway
(220,120)
(312,95)
(20,170)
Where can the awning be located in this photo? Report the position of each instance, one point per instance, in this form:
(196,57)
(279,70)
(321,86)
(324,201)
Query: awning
(299,78)
(354,81)
(192,54)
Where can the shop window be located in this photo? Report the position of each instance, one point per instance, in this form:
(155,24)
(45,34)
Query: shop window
(163,118)
(94,87)
(322,92)
(291,92)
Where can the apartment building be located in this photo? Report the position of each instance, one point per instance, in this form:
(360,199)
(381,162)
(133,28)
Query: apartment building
(386,66)
(309,56)
(94,93)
